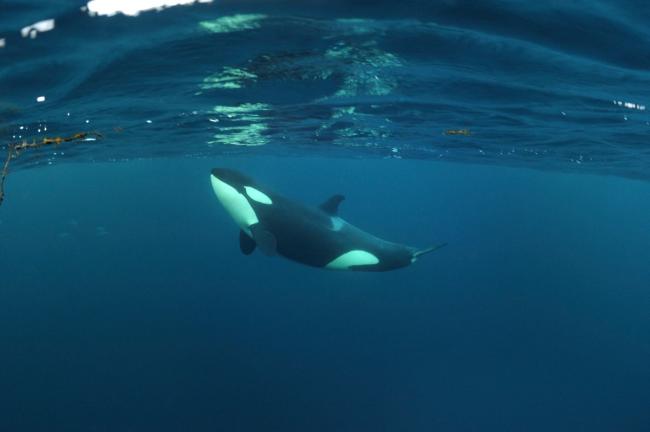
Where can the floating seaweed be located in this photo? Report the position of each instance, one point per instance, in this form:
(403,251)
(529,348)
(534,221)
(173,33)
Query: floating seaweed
(14,150)
(465,132)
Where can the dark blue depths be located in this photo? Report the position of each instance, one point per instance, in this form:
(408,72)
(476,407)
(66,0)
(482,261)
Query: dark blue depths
(126,304)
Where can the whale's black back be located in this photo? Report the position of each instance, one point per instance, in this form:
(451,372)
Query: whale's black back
(308,235)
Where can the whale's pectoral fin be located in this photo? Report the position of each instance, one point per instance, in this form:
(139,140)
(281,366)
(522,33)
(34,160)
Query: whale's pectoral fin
(246,244)
(264,239)
(331,206)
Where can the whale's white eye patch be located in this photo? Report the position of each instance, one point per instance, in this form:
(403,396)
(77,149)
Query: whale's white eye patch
(258,196)
(352,258)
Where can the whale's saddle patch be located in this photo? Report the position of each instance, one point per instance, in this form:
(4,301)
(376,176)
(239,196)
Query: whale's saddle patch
(331,206)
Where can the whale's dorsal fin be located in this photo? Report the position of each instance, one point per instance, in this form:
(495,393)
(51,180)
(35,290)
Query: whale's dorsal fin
(331,206)
(246,244)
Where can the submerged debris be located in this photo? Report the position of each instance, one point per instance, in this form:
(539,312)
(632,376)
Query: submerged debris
(14,149)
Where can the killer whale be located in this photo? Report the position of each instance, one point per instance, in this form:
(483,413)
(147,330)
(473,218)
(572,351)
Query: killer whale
(314,236)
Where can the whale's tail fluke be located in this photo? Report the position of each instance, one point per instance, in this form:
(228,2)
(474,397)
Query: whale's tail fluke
(424,251)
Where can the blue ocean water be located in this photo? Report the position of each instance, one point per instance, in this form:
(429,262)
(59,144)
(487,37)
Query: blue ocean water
(126,305)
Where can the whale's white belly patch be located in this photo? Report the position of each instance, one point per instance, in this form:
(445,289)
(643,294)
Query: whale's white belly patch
(235,204)
(352,258)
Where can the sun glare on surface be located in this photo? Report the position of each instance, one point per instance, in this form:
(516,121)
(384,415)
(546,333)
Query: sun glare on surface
(133,7)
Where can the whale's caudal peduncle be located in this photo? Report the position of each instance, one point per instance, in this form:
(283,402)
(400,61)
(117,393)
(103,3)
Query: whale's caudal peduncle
(312,236)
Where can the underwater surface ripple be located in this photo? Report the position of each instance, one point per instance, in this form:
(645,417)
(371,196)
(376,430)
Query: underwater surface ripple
(552,85)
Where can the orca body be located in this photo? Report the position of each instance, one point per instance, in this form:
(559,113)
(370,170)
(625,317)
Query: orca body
(316,237)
